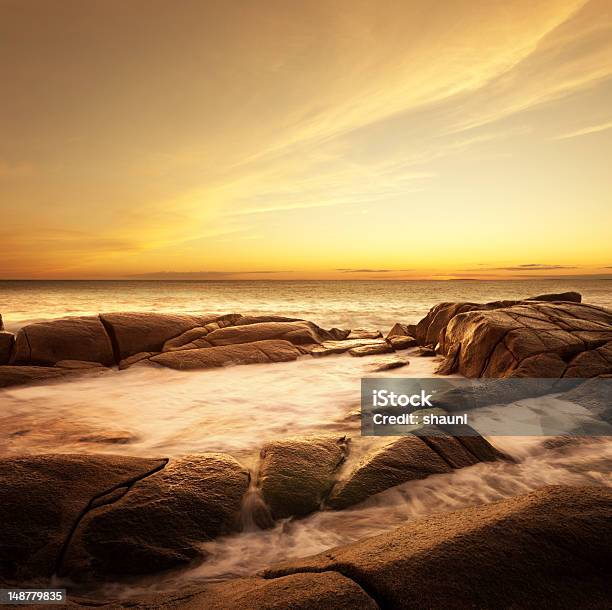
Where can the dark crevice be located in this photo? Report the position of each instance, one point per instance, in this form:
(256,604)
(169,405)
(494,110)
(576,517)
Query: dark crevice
(491,352)
(110,331)
(97,501)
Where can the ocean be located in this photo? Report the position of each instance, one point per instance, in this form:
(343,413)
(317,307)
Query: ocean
(344,304)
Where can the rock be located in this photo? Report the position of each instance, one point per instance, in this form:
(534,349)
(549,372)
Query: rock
(401,460)
(426,352)
(132,333)
(78,365)
(392,363)
(403,342)
(326,591)
(227,355)
(190,339)
(362,333)
(296,474)
(402,330)
(550,548)
(43,496)
(530,339)
(79,338)
(7,340)
(371,350)
(339,347)
(299,333)
(573,297)
(1,323)
(141,357)
(160,521)
(20,375)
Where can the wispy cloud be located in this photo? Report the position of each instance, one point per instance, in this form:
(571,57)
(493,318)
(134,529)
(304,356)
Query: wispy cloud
(585,131)
(526,267)
(196,275)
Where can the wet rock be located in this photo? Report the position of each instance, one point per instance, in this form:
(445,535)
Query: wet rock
(426,352)
(299,333)
(328,348)
(141,357)
(132,333)
(362,333)
(326,591)
(544,549)
(530,339)
(42,497)
(296,474)
(371,350)
(391,363)
(7,340)
(401,460)
(573,297)
(160,521)
(402,330)
(21,375)
(403,342)
(226,355)
(78,338)
(191,339)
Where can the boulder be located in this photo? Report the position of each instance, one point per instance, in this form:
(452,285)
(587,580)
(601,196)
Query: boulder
(190,339)
(328,348)
(7,340)
(79,338)
(551,548)
(43,496)
(79,365)
(160,521)
(299,333)
(296,474)
(226,355)
(326,591)
(371,350)
(534,339)
(402,342)
(402,330)
(362,333)
(572,297)
(1,323)
(21,375)
(132,333)
(400,460)
(389,364)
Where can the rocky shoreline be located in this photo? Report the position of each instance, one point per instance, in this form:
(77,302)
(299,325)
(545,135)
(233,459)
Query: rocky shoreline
(122,517)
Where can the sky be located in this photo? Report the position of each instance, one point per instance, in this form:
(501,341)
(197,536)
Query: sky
(305,140)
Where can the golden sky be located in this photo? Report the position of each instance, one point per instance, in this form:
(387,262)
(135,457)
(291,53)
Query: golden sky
(311,139)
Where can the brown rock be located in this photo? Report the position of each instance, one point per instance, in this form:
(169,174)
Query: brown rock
(21,375)
(391,363)
(573,297)
(550,548)
(326,591)
(78,365)
(299,333)
(42,498)
(191,339)
(296,474)
(160,521)
(147,332)
(227,355)
(7,340)
(403,342)
(141,357)
(78,338)
(371,350)
(328,348)
(401,460)
(362,333)
(402,330)
(426,352)
(530,339)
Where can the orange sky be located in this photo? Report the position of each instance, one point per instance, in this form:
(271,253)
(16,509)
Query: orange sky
(315,139)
